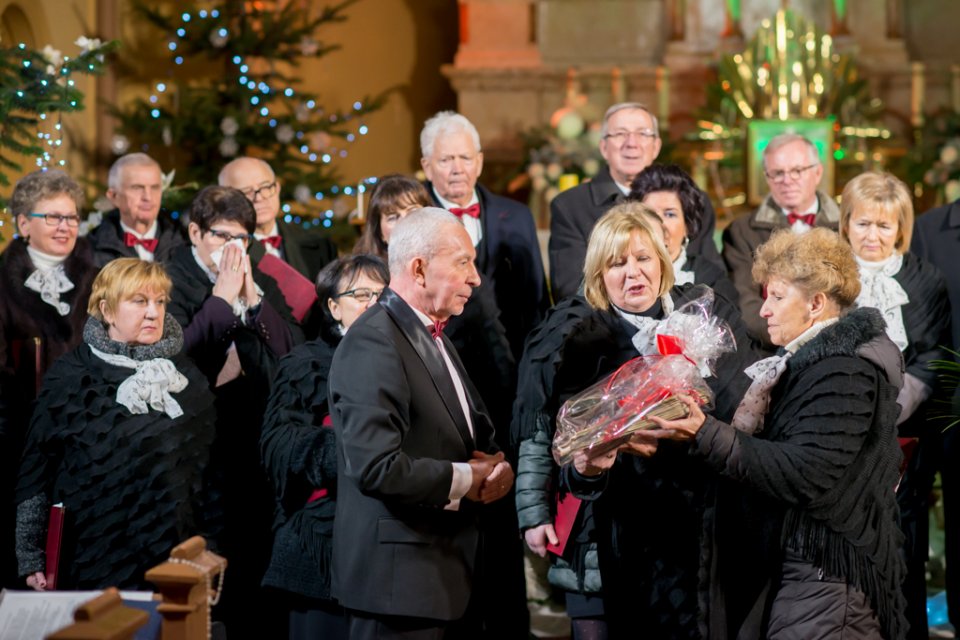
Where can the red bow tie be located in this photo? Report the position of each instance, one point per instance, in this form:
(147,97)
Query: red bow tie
(131,241)
(436,329)
(473,211)
(807,218)
(273,241)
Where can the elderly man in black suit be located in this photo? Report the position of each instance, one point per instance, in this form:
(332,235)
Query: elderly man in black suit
(135,228)
(936,239)
(306,251)
(501,229)
(416,454)
(629,143)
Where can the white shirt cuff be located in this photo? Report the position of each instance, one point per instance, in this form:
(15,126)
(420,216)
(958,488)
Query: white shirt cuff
(462,479)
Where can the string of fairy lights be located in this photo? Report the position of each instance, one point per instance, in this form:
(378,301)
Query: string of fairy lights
(314,146)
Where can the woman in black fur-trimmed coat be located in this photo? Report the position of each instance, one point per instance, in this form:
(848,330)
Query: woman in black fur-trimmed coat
(298,447)
(121,435)
(804,542)
(36,328)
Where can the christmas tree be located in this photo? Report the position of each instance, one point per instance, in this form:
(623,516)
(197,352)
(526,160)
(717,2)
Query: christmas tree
(36,88)
(230,89)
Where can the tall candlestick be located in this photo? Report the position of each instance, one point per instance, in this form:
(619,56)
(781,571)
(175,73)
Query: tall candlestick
(916,94)
(663,97)
(360,215)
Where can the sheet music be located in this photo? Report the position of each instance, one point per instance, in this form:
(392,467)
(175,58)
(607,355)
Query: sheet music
(32,615)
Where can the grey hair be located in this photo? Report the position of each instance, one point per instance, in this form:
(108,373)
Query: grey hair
(418,235)
(443,123)
(782,140)
(222,176)
(115,176)
(628,106)
(43,185)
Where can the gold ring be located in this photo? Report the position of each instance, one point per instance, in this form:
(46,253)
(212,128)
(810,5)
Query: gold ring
(236,268)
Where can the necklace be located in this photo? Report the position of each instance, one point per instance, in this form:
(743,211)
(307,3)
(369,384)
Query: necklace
(213,598)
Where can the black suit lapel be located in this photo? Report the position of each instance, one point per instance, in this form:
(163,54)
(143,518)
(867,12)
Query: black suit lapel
(421,341)
(487,238)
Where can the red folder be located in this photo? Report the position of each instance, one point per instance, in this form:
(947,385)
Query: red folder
(567,509)
(297,290)
(54,540)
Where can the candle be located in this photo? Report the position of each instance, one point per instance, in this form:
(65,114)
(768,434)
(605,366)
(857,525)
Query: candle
(916,94)
(360,201)
(663,97)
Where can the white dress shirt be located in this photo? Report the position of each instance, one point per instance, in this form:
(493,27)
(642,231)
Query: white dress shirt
(471,224)
(151,233)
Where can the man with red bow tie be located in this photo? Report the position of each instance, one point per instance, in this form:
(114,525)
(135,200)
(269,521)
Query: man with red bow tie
(502,230)
(135,229)
(791,165)
(307,251)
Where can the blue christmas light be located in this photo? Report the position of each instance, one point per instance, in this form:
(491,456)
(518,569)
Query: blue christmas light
(362,130)
(286,208)
(26,63)
(288,92)
(273,122)
(312,157)
(343,153)
(215,14)
(251,85)
(318,195)
(185,17)
(153,99)
(21,46)
(203,13)
(178,60)
(327,224)
(255,100)
(326,160)
(222,32)
(287,218)
(172,46)
(242,79)
(351,137)
(334,188)
(357,106)
(348,191)
(311,104)
(161,87)
(264,112)
(243,68)
(155,113)
(181,32)
(304,149)
(238,60)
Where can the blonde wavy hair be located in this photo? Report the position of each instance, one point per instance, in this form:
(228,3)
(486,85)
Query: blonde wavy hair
(123,278)
(883,192)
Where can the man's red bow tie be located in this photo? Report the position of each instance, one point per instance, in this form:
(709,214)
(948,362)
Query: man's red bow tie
(436,329)
(273,241)
(808,218)
(131,241)
(473,211)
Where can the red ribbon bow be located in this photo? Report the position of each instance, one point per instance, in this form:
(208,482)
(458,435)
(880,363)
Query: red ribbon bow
(273,241)
(473,211)
(436,329)
(808,218)
(131,241)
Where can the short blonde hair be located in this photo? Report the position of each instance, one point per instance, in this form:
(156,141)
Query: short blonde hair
(123,278)
(609,240)
(818,261)
(883,192)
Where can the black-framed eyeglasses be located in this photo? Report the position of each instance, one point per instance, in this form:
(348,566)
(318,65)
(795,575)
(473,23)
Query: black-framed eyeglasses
(643,135)
(265,191)
(227,237)
(362,295)
(54,219)
(795,173)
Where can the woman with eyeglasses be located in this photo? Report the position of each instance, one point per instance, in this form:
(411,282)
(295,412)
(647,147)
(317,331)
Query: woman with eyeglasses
(45,276)
(235,333)
(298,446)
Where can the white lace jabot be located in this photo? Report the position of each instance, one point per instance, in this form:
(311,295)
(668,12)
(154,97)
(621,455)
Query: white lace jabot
(879,289)
(49,279)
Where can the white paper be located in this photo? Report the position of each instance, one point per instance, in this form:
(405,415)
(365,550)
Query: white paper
(33,615)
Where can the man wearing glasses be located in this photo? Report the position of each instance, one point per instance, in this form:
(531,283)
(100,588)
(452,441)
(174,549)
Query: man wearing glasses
(135,229)
(792,168)
(629,143)
(307,251)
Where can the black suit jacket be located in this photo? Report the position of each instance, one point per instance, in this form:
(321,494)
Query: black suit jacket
(572,216)
(305,250)
(936,239)
(399,427)
(108,244)
(509,257)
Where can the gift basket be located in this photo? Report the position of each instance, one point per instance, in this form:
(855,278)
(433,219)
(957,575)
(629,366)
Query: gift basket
(605,415)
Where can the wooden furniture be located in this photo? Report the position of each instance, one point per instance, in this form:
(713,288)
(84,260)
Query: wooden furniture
(103,618)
